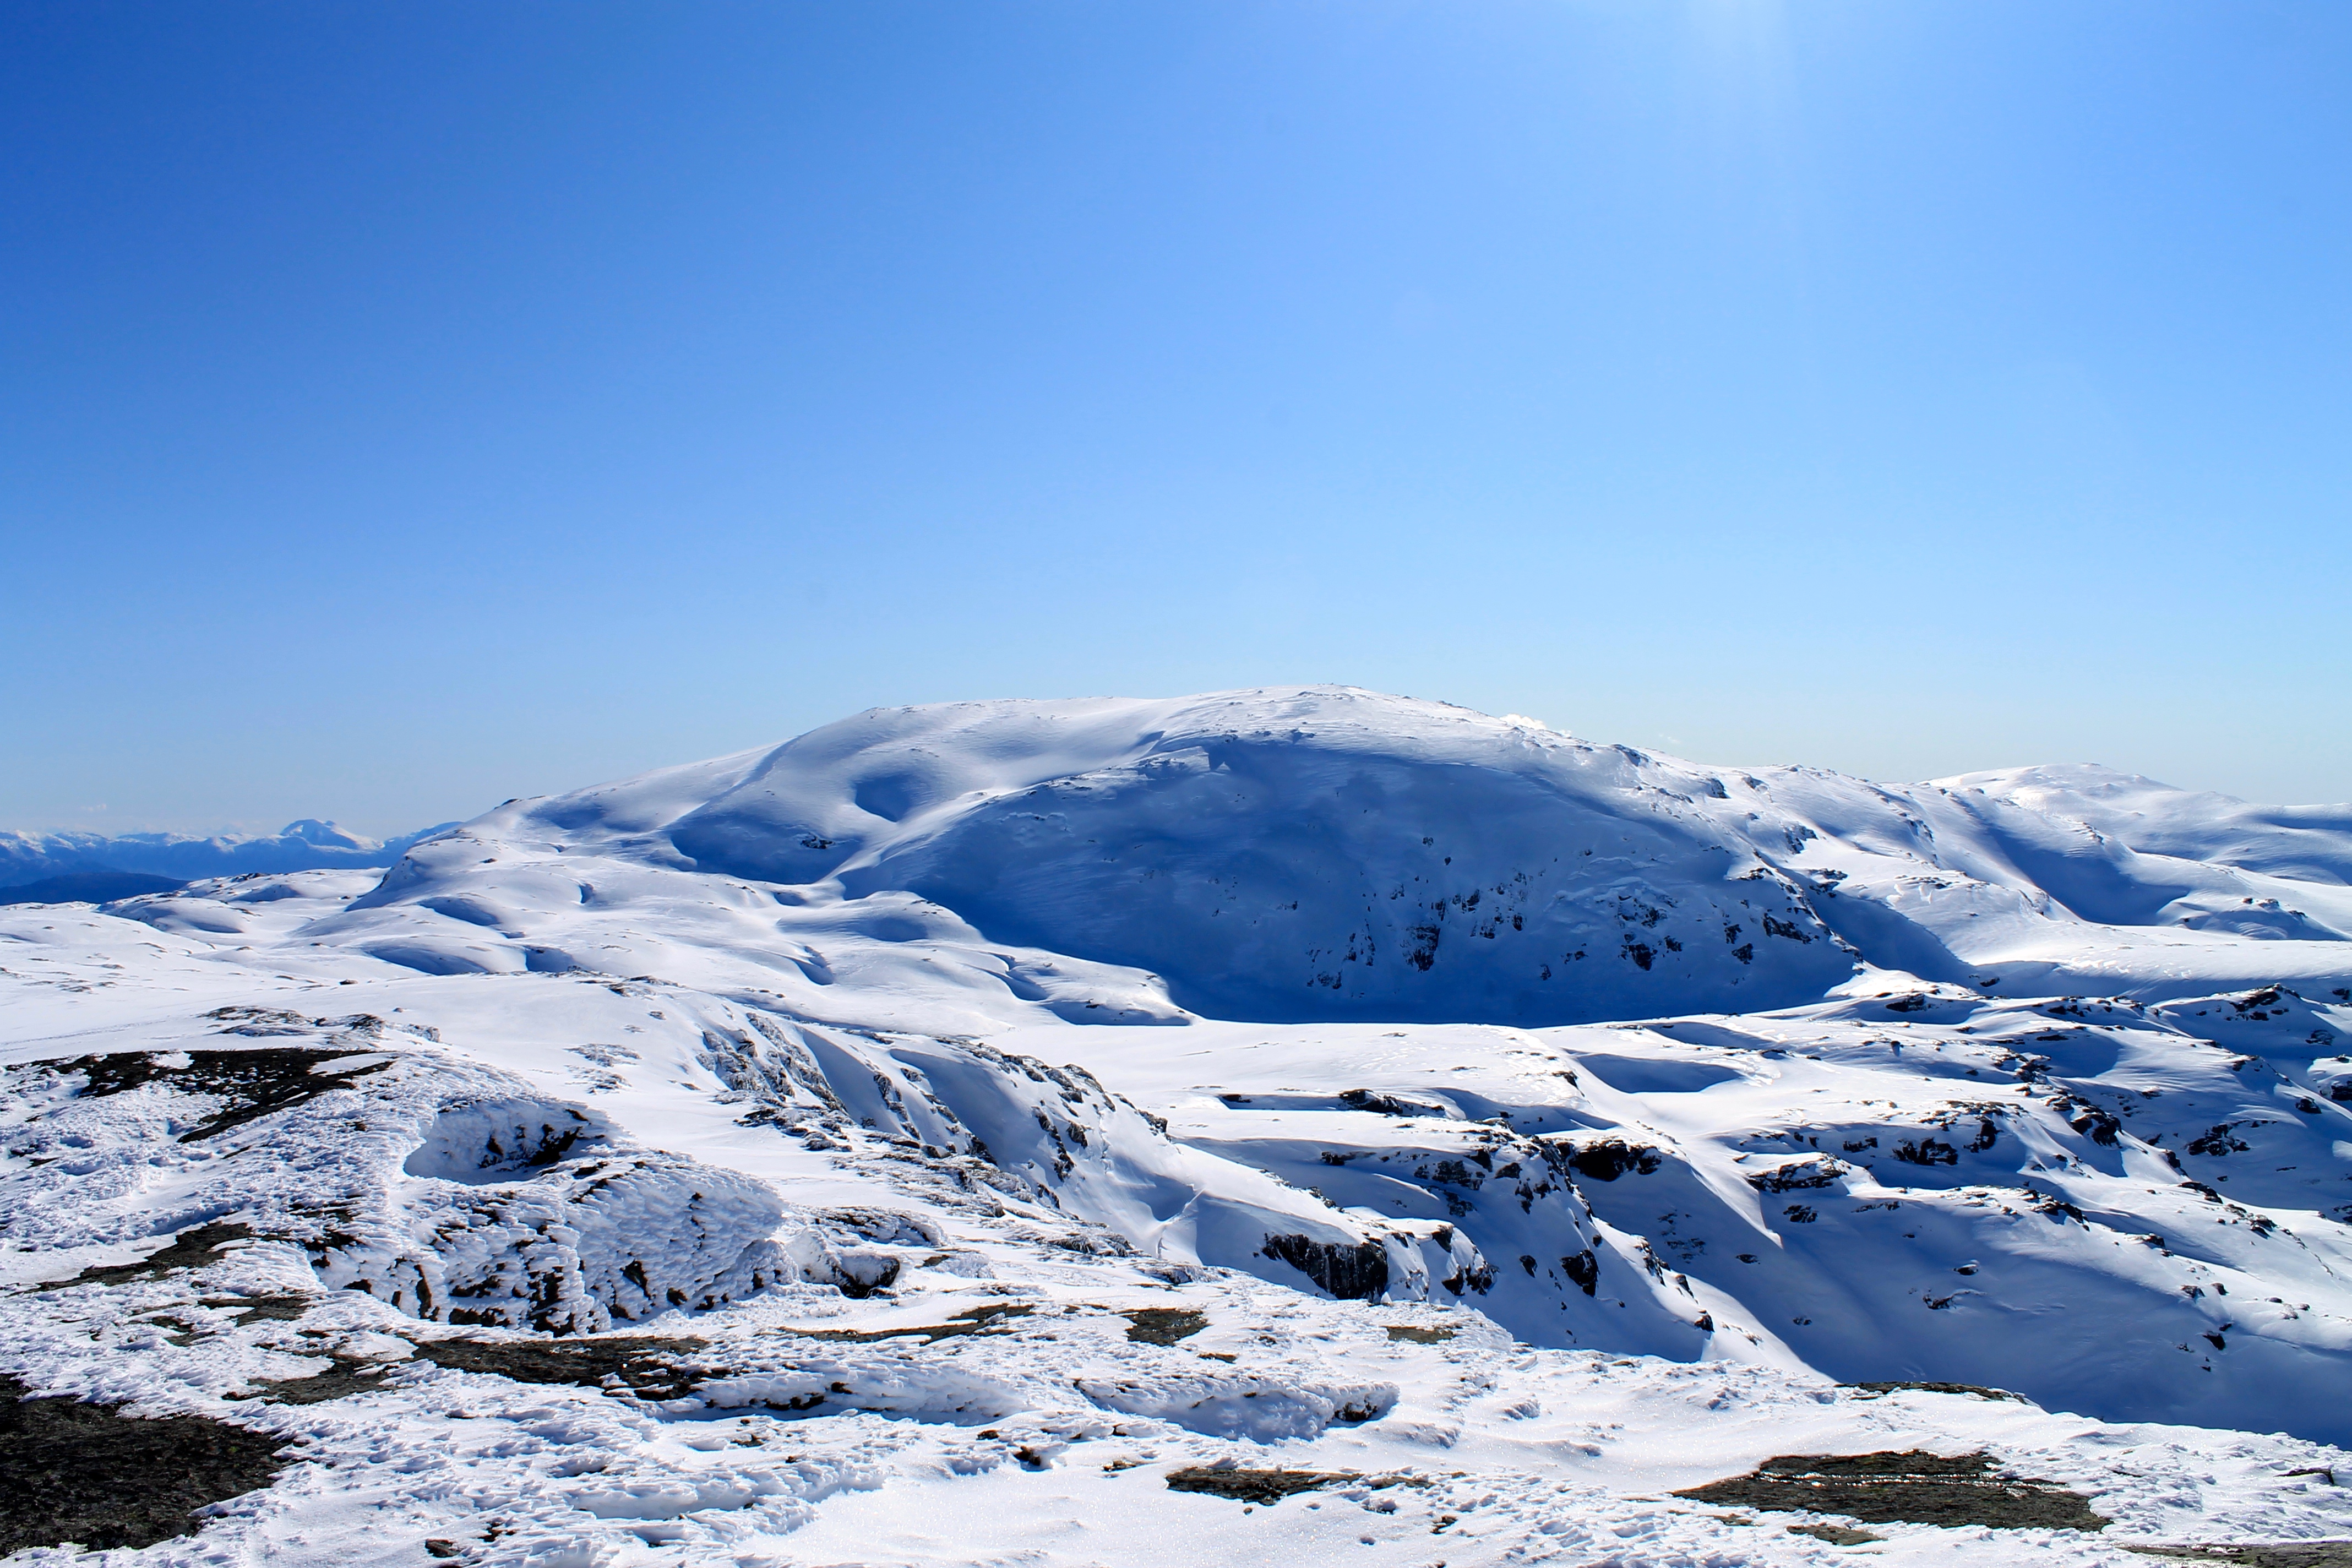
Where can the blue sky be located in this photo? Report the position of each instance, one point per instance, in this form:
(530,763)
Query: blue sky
(403,408)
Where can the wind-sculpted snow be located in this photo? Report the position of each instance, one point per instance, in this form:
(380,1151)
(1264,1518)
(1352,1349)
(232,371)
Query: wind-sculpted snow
(1007,1115)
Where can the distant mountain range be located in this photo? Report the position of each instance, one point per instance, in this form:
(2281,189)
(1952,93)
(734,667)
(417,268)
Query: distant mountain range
(45,868)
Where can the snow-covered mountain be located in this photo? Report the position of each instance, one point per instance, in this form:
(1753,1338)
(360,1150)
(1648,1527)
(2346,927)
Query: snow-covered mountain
(1301,855)
(309,844)
(1540,1124)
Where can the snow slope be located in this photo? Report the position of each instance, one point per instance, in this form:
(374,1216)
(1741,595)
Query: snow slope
(1657,1101)
(1315,854)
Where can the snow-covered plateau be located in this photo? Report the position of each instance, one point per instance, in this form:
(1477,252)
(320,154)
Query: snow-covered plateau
(1288,1126)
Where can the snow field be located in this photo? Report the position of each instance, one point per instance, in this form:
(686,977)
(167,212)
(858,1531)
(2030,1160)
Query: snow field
(1239,1005)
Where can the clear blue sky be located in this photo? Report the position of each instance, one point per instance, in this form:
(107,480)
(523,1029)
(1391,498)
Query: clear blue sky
(405,407)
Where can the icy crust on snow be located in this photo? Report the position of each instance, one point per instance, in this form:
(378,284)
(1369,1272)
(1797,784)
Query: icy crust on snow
(853,1095)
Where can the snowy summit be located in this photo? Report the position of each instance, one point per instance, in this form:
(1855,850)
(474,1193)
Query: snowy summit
(1287,1125)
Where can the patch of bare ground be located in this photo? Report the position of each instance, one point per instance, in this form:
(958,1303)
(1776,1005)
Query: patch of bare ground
(1908,1487)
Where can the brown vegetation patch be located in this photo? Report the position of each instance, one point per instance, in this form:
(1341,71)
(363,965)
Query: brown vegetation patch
(1908,1487)
(71,1471)
(1163,1325)
(1255,1486)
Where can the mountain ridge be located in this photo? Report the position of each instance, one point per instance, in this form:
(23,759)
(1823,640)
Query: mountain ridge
(305,845)
(1306,852)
